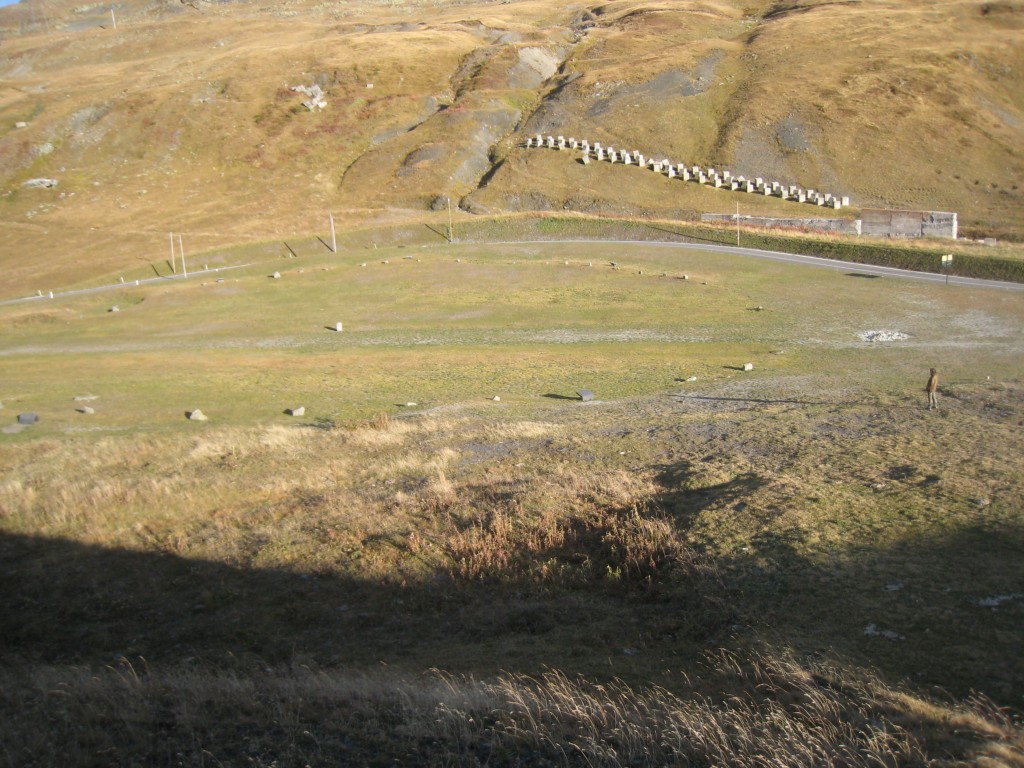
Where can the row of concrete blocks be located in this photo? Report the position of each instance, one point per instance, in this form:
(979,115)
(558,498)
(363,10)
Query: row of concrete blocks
(718,179)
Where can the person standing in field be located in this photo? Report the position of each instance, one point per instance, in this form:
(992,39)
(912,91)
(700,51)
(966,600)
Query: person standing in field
(931,387)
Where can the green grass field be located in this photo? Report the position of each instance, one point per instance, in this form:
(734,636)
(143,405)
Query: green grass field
(266,589)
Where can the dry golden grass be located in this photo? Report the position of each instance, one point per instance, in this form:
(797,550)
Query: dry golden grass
(181,119)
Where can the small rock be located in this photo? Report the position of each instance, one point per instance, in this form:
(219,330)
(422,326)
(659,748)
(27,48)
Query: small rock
(300,411)
(86,409)
(276,275)
(691,378)
(496,399)
(28,418)
(114,308)
(197,415)
(410,405)
(748,366)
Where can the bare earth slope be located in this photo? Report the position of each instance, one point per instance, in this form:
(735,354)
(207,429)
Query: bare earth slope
(183,117)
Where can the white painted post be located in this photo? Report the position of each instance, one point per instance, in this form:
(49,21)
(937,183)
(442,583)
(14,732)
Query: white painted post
(173,270)
(334,237)
(113,18)
(181,250)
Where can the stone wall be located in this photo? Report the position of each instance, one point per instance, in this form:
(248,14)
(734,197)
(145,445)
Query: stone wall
(842,226)
(884,223)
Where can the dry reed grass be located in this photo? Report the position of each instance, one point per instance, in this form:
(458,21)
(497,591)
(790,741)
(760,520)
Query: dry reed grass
(765,712)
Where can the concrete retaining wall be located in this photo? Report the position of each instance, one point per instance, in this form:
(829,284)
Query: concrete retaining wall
(842,226)
(886,223)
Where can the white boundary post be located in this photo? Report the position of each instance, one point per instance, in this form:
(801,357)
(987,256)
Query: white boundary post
(334,238)
(174,270)
(181,250)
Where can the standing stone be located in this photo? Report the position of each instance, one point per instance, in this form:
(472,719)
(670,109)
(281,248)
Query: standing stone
(28,418)
(197,415)
(300,411)
(748,366)
(338,327)
(585,395)
(86,409)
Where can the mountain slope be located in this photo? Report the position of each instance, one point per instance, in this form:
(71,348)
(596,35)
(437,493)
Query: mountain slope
(184,117)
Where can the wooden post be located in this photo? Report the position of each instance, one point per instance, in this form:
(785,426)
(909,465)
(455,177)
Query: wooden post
(181,250)
(173,270)
(113,18)
(334,238)
(737,224)
(451,234)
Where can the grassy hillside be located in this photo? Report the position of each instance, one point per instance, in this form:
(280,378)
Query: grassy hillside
(795,565)
(182,118)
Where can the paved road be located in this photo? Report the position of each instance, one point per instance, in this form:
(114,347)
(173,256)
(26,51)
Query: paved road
(115,286)
(790,258)
(810,261)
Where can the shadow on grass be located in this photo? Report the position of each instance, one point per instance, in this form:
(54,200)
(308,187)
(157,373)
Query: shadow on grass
(439,232)
(941,612)
(555,396)
(689,237)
